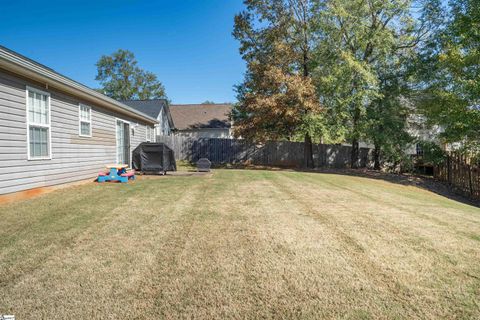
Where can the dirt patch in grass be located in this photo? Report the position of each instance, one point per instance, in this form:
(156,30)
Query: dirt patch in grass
(36,192)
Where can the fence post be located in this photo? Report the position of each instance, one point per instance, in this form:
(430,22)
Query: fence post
(271,153)
(470,183)
(449,171)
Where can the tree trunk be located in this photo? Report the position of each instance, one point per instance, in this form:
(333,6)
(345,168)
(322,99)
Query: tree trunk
(355,143)
(307,146)
(354,154)
(308,152)
(376,157)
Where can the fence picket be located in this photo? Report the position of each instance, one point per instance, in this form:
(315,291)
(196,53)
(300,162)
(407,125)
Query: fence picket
(460,175)
(272,153)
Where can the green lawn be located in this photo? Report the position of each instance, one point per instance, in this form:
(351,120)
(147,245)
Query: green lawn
(240,244)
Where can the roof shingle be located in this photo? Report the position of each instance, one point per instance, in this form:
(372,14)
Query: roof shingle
(149,107)
(201,116)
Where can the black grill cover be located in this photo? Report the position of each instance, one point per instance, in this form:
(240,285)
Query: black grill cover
(154,158)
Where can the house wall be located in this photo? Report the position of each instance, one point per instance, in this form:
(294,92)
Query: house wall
(205,133)
(73,157)
(417,128)
(163,127)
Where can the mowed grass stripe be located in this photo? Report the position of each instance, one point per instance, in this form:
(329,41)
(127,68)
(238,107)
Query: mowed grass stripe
(422,251)
(460,218)
(102,255)
(241,244)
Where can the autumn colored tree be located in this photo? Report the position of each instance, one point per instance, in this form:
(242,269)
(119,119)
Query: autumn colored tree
(277,96)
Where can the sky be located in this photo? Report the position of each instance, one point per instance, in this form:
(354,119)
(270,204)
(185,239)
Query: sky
(186,43)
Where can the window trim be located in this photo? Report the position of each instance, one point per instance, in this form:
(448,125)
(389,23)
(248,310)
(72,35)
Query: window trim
(152,133)
(80,105)
(38,125)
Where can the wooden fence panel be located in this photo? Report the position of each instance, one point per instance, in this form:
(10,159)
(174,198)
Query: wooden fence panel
(460,174)
(272,153)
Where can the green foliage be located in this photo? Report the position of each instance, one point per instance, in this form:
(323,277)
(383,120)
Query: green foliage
(388,116)
(122,79)
(320,129)
(451,76)
(432,153)
(362,46)
(361,56)
(395,159)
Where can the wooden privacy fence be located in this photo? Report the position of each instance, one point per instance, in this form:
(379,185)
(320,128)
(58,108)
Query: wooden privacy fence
(460,174)
(273,153)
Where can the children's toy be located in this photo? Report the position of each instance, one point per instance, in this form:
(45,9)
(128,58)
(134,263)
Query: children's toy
(118,172)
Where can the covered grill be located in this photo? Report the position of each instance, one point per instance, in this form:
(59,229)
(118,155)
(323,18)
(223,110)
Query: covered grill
(155,158)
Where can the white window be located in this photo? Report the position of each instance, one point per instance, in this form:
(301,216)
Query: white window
(85,121)
(150,134)
(38,125)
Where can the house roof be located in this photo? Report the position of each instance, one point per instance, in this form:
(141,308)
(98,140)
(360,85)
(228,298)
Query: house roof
(201,116)
(21,65)
(151,107)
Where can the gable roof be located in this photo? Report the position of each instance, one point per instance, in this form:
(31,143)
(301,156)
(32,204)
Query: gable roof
(23,66)
(151,107)
(201,116)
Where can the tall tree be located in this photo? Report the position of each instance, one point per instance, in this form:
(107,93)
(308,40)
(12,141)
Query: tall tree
(359,39)
(388,118)
(122,79)
(277,96)
(451,70)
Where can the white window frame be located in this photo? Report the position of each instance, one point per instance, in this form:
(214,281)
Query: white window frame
(80,121)
(152,133)
(39,125)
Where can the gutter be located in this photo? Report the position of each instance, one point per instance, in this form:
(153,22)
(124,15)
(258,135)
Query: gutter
(17,64)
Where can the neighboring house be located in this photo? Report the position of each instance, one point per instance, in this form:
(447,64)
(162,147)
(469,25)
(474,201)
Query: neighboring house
(158,109)
(418,128)
(54,130)
(202,120)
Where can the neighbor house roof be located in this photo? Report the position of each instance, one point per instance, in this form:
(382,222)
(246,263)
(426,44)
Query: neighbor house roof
(151,107)
(201,116)
(23,66)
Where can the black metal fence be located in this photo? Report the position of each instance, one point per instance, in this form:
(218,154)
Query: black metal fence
(273,153)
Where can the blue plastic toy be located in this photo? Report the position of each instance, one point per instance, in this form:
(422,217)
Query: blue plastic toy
(116,175)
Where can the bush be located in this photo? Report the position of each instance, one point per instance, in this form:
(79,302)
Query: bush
(397,162)
(432,153)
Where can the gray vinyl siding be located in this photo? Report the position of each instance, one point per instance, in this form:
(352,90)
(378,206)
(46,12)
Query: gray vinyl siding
(163,127)
(73,157)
